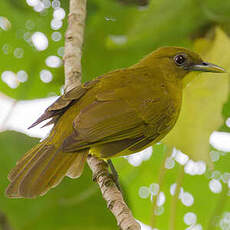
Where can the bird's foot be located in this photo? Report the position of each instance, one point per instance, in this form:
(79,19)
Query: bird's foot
(114,175)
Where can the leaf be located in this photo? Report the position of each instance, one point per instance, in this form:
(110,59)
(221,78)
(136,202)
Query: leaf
(168,23)
(216,12)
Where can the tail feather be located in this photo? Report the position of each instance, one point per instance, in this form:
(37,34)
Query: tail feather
(13,188)
(77,166)
(21,164)
(29,180)
(38,181)
(43,168)
(60,172)
(74,161)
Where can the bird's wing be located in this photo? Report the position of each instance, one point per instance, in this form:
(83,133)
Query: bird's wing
(102,122)
(114,115)
(56,110)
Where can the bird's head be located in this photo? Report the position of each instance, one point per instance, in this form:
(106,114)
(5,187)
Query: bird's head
(176,62)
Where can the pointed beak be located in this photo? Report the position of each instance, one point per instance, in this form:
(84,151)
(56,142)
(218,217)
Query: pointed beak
(207,67)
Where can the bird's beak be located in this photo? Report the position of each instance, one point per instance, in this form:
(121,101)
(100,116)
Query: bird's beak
(207,67)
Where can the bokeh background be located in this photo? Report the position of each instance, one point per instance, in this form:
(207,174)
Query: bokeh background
(118,33)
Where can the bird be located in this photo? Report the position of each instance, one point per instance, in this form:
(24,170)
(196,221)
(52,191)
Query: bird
(116,114)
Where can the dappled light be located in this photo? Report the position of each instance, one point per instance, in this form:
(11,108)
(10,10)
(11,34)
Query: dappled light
(144,192)
(60,51)
(10,78)
(186,198)
(137,158)
(225,221)
(118,39)
(59,13)
(56,24)
(173,189)
(154,189)
(18,53)
(56,36)
(6,49)
(195,168)
(195,227)
(46,76)
(190,218)
(161,199)
(40,41)
(53,61)
(4,23)
(215,186)
(22,76)
(220,141)
(180,157)
(38,5)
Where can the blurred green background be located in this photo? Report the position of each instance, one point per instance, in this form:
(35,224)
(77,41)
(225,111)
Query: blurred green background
(118,33)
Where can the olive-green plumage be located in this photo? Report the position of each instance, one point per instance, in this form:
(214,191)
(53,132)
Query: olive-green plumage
(119,113)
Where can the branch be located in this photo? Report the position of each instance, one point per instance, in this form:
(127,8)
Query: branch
(218,210)
(161,176)
(179,181)
(136,2)
(112,195)
(73,43)
(72,61)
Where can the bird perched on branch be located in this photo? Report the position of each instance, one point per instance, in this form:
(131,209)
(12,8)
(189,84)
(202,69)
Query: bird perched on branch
(118,113)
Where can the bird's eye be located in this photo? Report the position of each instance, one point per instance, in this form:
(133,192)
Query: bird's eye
(179,59)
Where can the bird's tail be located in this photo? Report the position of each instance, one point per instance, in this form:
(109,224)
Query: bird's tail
(43,168)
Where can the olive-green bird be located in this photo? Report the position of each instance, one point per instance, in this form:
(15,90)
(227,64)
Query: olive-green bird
(117,114)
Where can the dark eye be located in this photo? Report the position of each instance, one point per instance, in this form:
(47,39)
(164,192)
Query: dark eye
(179,59)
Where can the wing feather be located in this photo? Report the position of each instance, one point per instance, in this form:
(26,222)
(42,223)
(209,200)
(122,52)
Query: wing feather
(104,121)
(57,109)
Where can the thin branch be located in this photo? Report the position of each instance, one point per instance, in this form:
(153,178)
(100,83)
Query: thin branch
(73,43)
(162,172)
(135,2)
(173,206)
(72,61)
(112,195)
(218,210)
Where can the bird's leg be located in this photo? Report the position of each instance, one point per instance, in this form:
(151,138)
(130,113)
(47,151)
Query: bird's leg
(114,175)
